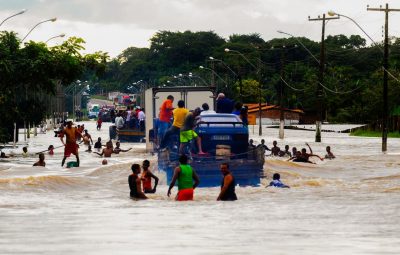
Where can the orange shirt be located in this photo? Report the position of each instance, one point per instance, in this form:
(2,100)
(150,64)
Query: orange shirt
(165,113)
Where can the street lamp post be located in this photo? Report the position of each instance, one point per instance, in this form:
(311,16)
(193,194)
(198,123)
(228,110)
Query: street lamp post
(214,73)
(318,122)
(19,13)
(44,21)
(385,66)
(234,73)
(259,87)
(51,38)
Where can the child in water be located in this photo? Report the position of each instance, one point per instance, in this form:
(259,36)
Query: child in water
(51,150)
(329,154)
(276,182)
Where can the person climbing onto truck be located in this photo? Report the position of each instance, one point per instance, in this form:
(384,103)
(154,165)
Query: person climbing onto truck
(179,118)
(187,133)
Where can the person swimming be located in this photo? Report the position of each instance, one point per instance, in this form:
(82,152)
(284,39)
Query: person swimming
(276,182)
(329,154)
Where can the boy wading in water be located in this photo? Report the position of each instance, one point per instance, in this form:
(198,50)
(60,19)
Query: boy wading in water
(185,175)
(135,184)
(146,178)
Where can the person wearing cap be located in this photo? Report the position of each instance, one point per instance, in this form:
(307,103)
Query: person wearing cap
(71,147)
(224,104)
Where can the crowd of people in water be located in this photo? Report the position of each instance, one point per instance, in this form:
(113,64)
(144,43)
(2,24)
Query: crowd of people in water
(182,124)
(293,155)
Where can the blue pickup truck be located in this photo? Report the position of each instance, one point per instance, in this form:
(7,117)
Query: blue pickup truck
(225,139)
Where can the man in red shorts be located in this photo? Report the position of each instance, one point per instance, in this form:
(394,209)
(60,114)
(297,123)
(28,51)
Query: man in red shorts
(70,144)
(185,175)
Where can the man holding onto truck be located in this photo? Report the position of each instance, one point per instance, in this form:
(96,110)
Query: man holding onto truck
(179,117)
(165,117)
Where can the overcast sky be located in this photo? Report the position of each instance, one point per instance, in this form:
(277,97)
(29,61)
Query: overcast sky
(114,25)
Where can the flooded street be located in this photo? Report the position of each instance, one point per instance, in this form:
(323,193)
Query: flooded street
(350,205)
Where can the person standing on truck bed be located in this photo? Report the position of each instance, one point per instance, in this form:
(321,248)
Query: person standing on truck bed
(224,105)
(188,134)
(165,117)
(179,117)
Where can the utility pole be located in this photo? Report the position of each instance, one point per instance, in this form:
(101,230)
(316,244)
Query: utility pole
(212,74)
(282,113)
(385,74)
(319,95)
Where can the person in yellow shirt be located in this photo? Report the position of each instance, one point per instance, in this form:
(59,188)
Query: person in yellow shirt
(179,115)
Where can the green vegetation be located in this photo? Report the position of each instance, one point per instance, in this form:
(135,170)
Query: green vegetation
(30,73)
(353,77)
(352,84)
(370,133)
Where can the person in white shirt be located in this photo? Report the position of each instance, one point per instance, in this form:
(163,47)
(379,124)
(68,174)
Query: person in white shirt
(129,117)
(142,118)
(206,109)
(119,121)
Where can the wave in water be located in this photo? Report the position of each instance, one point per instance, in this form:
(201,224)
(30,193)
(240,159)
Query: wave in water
(52,182)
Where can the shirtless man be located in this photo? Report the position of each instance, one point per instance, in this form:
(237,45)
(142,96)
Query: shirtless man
(87,138)
(307,156)
(106,151)
(41,161)
(135,183)
(298,157)
(275,149)
(98,145)
(71,147)
(117,149)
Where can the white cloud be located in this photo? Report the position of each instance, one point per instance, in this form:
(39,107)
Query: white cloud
(113,25)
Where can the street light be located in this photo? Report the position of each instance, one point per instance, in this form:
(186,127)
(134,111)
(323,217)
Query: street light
(259,88)
(198,77)
(385,70)
(234,73)
(309,52)
(206,68)
(19,13)
(333,13)
(52,20)
(51,38)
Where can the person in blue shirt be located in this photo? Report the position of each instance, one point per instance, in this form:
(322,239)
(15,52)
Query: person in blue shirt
(276,182)
(224,104)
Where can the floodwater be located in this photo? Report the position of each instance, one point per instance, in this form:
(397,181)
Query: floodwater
(350,205)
